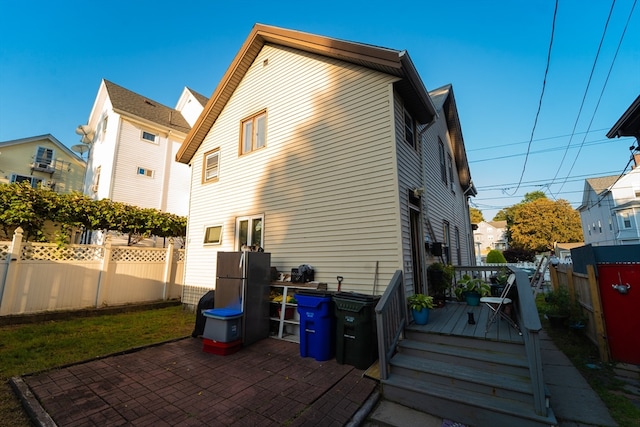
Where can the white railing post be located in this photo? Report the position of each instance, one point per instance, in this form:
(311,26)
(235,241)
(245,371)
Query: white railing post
(10,273)
(168,269)
(103,279)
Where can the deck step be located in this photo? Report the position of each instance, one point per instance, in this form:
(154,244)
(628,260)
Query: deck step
(420,370)
(414,333)
(488,360)
(463,405)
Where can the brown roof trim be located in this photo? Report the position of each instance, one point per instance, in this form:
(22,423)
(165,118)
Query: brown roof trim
(382,59)
(629,123)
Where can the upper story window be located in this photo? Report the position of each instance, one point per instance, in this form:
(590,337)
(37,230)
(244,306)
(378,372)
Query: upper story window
(409,130)
(450,168)
(145,172)
(149,137)
(443,166)
(44,155)
(210,166)
(253,133)
(626,219)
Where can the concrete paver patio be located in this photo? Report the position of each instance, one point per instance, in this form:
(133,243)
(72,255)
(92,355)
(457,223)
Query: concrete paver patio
(176,383)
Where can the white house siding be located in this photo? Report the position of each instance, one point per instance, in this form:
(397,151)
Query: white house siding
(176,183)
(133,152)
(409,177)
(441,202)
(103,147)
(325,182)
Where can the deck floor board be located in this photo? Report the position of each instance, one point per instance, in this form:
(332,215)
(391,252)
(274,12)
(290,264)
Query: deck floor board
(452,319)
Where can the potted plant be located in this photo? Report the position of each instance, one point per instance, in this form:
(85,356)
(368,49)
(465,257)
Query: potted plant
(471,289)
(557,306)
(420,304)
(439,276)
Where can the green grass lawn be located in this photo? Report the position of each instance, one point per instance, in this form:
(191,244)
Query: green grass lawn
(31,348)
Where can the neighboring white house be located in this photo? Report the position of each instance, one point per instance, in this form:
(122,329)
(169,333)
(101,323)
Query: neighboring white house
(133,141)
(490,235)
(329,153)
(610,210)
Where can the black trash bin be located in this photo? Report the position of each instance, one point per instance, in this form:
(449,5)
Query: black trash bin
(356,334)
(206,302)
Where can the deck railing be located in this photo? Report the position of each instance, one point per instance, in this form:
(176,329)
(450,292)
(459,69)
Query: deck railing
(391,319)
(528,321)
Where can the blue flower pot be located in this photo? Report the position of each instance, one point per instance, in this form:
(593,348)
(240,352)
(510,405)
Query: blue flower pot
(420,317)
(472,298)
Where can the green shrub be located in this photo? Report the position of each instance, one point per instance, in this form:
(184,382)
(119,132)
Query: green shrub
(495,257)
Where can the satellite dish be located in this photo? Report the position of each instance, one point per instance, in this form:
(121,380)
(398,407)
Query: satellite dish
(83,130)
(80,148)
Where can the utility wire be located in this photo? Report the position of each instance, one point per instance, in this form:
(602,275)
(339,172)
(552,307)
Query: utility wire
(544,84)
(510,144)
(604,86)
(586,90)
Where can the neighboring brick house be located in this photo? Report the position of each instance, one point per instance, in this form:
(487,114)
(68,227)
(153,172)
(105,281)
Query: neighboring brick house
(330,153)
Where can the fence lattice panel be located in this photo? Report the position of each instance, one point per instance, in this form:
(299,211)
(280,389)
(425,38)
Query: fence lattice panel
(53,252)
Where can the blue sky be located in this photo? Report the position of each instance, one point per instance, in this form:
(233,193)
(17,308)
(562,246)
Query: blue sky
(53,56)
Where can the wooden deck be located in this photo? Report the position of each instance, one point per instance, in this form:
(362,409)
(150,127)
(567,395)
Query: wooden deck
(452,319)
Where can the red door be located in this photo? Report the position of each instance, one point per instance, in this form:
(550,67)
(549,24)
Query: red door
(620,294)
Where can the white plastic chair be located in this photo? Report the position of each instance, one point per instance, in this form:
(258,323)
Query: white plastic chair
(496,304)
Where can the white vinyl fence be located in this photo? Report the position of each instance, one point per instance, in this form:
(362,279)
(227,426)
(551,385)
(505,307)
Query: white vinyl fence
(37,277)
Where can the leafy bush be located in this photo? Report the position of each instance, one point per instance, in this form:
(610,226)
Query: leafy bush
(519,254)
(495,257)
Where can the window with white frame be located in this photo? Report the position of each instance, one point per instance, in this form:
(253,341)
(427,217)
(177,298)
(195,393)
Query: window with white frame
(409,130)
(213,235)
(626,219)
(32,180)
(145,172)
(443,166)
(149,137)
(450,168)
(96,179)
(211,163)
(253,135)
(249,231)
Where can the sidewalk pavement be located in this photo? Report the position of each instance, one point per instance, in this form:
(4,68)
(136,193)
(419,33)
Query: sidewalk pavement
(176,383)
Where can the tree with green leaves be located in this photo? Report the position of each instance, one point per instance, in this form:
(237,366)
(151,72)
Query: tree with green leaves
(475,215)
(538,224)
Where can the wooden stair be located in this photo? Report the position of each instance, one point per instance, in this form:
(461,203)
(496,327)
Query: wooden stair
(473,381)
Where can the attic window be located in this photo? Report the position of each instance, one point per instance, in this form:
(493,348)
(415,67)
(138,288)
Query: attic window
(148,136)
(210,167)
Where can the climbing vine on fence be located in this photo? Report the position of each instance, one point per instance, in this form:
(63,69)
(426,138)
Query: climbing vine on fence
(31,208)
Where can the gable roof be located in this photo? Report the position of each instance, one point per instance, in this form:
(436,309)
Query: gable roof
(199,97)
(46,136)
(130,103)
(599,185)
(445,103)
(388,61)
(629,123)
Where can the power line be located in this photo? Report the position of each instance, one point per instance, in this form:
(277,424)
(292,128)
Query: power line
(604,86)
(548,150)
(544,84)
(535,140)
(586,90)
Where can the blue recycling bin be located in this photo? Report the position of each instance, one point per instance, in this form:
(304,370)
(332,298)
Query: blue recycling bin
(317,325)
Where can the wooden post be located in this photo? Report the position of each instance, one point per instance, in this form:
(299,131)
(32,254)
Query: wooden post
(8,285)
(168,269)
(553,275)
(601,332)
(570,284)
